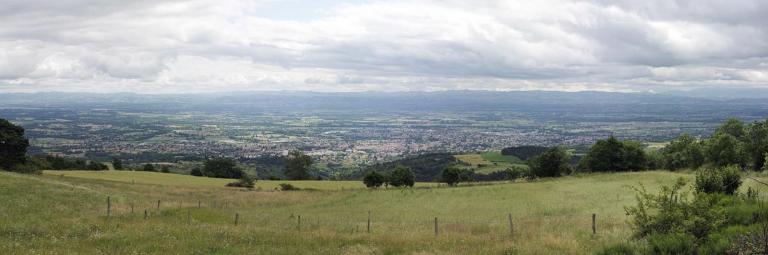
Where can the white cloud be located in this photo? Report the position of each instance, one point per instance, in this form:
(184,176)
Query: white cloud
(206,45)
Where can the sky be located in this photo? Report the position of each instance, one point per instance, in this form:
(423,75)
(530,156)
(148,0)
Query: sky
(199,46)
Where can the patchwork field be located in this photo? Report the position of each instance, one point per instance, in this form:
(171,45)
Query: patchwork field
(67,214)
(489,162)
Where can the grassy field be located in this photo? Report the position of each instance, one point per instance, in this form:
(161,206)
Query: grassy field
(141,177)
(55,214)
(489,162)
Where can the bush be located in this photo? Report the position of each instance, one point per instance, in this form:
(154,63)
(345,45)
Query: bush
(373,179)
(287,187)
(149,168)
(26,169)
(672,244)
(671,212)
(245,182)
(718,180)
(621,249)
(196,172)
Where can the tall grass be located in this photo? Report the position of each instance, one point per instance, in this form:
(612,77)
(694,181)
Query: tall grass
(54,214)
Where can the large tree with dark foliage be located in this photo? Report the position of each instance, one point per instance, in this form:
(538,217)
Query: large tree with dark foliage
(401,177)
(117,164)
(454,175)
(757,143)
(13,145)
(724,149)
(297,165)
(552,163)
(614,155)
(683,152)
(374,179)
(222,168)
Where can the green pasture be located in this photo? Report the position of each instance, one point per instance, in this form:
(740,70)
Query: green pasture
(67,214)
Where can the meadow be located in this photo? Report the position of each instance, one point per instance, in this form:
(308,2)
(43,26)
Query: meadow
(66,213)
(491,161)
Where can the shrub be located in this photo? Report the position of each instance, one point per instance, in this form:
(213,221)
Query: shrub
(676,243)
(671,212)
(26,169)
(165,169)
(149,168)
(621,249)
(196,172)
(245,182)
(718,180)
(287,187)
(373,179)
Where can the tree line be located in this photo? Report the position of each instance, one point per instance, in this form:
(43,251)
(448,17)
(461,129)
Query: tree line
(732,143)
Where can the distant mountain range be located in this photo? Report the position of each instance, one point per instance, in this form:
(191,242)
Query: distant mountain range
(638,104)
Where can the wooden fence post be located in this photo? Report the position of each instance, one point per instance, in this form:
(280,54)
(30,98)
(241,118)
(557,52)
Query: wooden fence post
(109,206)
(237,218)
(299,225)
(145,214)
(436,231)
(369,222)
(158,204)
(511,227)
(594,227)
(131,208)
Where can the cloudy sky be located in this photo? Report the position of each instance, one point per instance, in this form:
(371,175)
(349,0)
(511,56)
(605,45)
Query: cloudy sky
(166,46)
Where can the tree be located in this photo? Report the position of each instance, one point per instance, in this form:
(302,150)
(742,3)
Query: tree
(614,155)
(453,175)
(117,164)
(757,143)
(196,172)
(222,168)
(635,157)
(683,152)
(93,165)
(373,179)
(149,168)
(725,149)
(297,165)
(13,145)
(552,163)
(401,177)
(165,169)
(733,127)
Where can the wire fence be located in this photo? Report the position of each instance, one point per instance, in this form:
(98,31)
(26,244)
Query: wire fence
(222,213)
